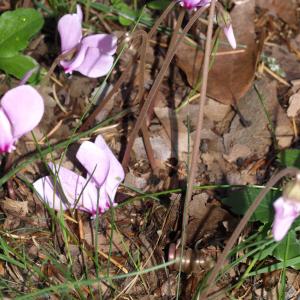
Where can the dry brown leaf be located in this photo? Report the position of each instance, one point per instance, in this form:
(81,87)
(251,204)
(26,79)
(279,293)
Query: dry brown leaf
(13,207)
(231,75)
(294,105)
(286,10)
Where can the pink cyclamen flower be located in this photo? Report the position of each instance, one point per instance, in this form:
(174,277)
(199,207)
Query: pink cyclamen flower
(94,55)
(286,211)
(21,109)
(193,4)
(227,28)
(92,194)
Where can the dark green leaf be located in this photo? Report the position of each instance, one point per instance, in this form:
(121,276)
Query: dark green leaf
(18,65)
(240,200)
(288,248)
(16,28)
(289,157)
(158,4)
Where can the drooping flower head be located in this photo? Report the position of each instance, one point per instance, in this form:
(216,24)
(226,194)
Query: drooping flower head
(21,109)
(92,194)
(223,17)
(287,209)
(94,53)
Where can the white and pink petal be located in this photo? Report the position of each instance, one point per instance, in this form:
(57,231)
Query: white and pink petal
(24,108)
(69,28)
(6,136)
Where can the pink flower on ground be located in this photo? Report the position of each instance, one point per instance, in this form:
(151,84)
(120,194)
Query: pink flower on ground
(94,56)
(92,194)
(286,211)
(21,109)
(227,28)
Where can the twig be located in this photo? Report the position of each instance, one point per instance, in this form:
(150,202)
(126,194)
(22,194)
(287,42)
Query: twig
(221,260)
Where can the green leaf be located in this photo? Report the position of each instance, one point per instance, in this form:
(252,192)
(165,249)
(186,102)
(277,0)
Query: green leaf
(293,249)
(268,248)
(158,4)
(16,28)
(240,200)
(18,65)
(289,157)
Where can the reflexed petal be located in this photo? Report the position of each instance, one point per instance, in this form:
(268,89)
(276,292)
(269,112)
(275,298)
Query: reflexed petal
(79,12)
(228,31)
(44,188)
(69,186)
(24,107)
(69,28)
(116,173)
(95,160)
(285,214)
(72,65)
(95,64)
(106,43)
(6,137)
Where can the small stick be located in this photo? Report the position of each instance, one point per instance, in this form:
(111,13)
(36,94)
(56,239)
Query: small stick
(221,260)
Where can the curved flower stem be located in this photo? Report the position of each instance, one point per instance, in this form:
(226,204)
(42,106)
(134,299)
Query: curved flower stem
(170,54)
(9,184)
(221,260)
(160,19)
(195,154)
(54,65)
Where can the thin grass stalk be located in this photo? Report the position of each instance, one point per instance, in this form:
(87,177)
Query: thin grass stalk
(221,260)
(195,155)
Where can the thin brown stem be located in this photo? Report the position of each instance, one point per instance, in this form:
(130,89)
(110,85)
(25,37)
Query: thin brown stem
(54,65)
(170,54)
(9,184)
(195,154)
(156,84)
(160,19)
(149,149)
(222,258)
(145,132)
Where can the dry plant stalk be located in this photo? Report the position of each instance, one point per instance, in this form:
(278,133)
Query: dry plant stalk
(153,91)
(221,260)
